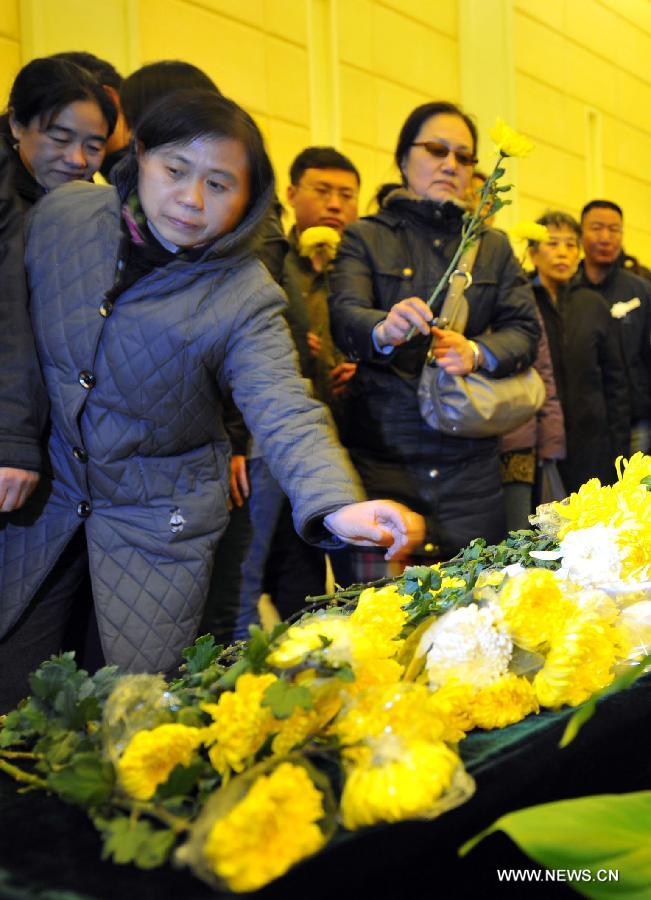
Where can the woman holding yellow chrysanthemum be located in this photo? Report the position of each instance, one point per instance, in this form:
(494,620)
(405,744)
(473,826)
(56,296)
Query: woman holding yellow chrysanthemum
(387,266)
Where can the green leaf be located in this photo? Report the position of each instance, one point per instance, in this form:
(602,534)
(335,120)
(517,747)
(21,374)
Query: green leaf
(23,723)
(52,675)
(345,673)
(86,781)
(180,782)
(588,709)
(257,647)
(230,676)
(607,832)
(283,698)
(646,481)
(135,841)
(58,745)
(75,713)
(201,654)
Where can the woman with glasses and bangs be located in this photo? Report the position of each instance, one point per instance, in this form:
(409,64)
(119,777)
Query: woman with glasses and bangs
(387,267)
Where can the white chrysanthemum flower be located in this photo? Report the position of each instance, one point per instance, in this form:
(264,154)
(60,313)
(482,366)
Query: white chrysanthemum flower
(591,556)
(468,644)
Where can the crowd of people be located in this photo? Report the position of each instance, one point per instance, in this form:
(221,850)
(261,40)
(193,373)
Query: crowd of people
(196,407)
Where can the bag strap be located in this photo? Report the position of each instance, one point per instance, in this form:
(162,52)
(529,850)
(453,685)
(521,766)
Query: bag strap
(458,281)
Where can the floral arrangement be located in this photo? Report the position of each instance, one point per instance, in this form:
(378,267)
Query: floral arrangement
(258,753)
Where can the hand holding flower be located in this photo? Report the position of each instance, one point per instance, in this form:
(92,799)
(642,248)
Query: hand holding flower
(407,316)
(453,352)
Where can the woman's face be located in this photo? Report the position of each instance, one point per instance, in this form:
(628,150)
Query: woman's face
(440,178)
(193,193)
(69,148)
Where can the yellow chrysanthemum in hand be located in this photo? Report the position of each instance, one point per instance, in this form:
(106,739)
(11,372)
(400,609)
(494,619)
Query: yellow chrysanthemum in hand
(508,141)
(397,780)
(534,607)
(581,658)
(319,237)
(151,756)
(508,700)
(271,829)
(241,723)
(528,231)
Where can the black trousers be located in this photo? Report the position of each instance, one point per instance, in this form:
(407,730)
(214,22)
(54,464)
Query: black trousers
(59,617)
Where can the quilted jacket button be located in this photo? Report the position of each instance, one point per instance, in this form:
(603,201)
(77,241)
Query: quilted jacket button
(433,473)
(80,454)
(83,509)
(106,309)
(86,379)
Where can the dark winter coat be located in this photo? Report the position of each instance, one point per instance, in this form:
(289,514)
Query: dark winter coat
(139,452)
(591,382)
(544,432)
(23,401)
(402,252)
(633,329)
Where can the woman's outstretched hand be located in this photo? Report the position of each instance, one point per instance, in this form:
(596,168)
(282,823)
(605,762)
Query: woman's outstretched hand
(378,523)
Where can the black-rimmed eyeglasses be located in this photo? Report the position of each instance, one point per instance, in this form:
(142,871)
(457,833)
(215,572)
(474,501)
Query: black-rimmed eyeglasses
(441,150)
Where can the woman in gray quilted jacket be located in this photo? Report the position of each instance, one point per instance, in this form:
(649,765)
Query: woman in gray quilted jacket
(147,306)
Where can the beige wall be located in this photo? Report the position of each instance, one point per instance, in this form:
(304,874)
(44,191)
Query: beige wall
(574,74)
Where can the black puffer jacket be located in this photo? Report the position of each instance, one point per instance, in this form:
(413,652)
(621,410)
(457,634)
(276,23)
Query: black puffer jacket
(633,324)
(402,252)
(23,401)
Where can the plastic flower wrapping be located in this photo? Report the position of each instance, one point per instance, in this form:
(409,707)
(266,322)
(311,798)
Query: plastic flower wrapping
(355,714)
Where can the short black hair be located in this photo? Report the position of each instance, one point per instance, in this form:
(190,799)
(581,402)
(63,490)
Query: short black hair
(101,69)
(183,116)
(320,158)
(151,82)
(601,204)
(45,86)
(417,118)
(557,219)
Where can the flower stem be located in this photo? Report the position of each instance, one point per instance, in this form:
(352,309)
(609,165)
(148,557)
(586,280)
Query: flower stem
(21,776)
(468,235)
(177,824)
(20,754)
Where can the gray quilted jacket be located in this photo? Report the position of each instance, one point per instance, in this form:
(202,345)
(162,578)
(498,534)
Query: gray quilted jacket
(138,448)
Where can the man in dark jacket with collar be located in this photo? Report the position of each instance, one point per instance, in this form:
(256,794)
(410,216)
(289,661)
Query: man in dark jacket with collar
(629,298)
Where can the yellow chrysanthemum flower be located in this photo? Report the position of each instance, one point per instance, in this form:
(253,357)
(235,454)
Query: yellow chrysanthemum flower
(150,757)
(303,724)
(508,141)
(319,237)
(592,504)
(266,833)
(452,703)
(404,709)
(370,632)
(534,607)
(241,723)
(380,610)
(371,673)
(580,660)
(529,231)
(633,470)
(508,700)
(397,781)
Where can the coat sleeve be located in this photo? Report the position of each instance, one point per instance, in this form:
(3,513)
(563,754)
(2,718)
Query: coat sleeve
(294,431)
(512,338)
(615,385)
(550,425)
(353,308)
(23,400)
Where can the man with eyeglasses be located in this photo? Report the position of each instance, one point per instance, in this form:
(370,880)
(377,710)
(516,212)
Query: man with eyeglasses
(323,192)
(629,298)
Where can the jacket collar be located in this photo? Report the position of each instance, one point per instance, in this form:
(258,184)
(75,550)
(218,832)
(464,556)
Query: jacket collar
(402,205)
